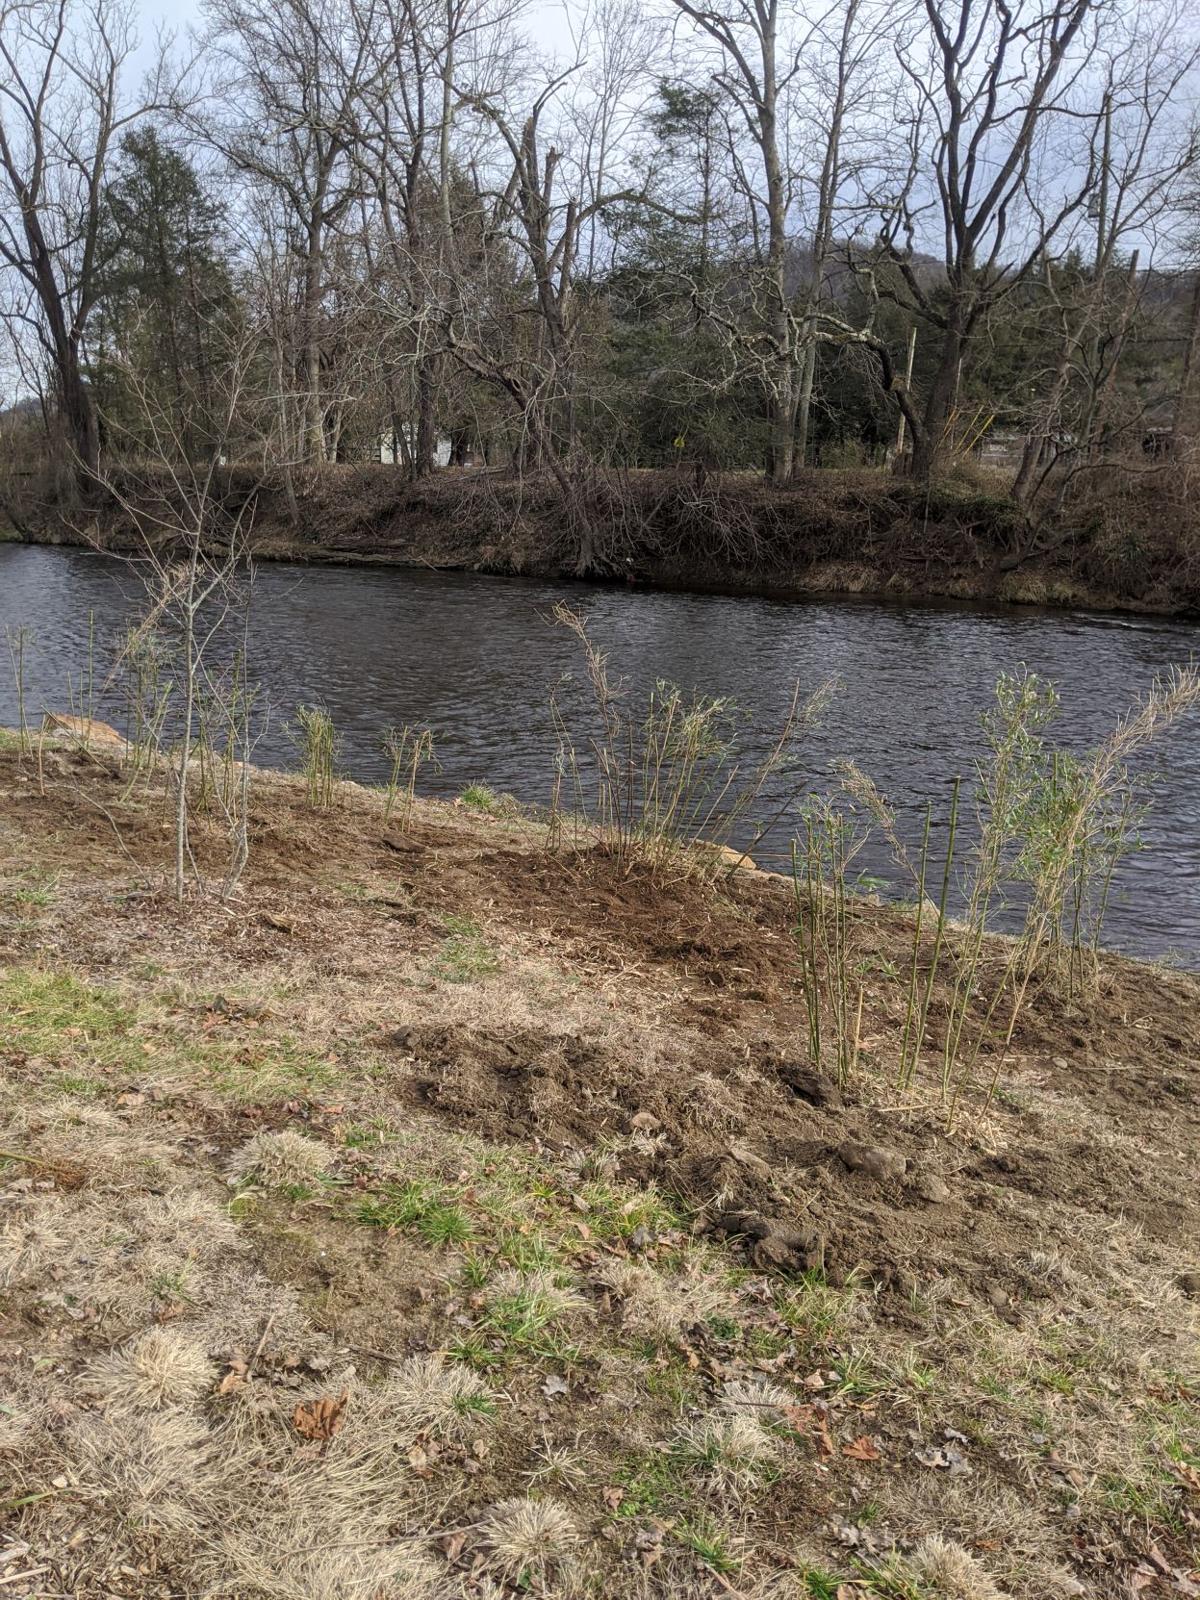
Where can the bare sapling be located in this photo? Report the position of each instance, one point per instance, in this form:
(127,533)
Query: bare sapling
(196,568)
(144,661)
(18,640)
(1051,830)
(316,741)
(821,863)
(81,691)
(1078,823)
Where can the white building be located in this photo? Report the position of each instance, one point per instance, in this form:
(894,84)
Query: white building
(392,452)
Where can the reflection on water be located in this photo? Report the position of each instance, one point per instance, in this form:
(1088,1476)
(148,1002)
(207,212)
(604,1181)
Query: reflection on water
(476,659)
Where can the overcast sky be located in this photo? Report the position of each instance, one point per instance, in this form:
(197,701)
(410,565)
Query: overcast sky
(545,20)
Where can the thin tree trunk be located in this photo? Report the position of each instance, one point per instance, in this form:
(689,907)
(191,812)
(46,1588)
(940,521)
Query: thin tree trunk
(1185,418)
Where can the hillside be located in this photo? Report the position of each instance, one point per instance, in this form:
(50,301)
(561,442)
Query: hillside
(448,1214)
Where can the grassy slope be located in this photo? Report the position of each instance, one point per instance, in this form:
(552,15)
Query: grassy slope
(369,1237)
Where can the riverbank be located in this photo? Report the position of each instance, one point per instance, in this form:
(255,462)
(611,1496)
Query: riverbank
(445,1214)
(1130,544)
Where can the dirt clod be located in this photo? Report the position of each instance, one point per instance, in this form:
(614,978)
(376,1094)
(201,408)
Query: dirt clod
(933,1189)
(876,1160)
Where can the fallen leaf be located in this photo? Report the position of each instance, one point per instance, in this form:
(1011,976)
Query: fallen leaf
(452,1545)
(613,1496)
(861,1449)
(320,1419)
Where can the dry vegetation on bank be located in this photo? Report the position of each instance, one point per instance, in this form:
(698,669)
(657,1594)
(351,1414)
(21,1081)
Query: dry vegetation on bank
(1128,540)
(443,1216)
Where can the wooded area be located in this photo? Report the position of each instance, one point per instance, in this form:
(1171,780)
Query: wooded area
(711,237)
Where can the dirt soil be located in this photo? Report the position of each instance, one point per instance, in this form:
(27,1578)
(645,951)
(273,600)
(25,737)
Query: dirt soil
(571,1145)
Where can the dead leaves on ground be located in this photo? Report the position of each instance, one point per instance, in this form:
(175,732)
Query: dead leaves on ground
(320,1419)
(861,1449)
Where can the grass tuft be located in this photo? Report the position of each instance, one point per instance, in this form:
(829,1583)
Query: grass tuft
(526,1540)
(160,1368)
(286,1160)
(418,1206)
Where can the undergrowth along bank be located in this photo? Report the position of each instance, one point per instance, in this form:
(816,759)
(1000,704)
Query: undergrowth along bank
(1129,543)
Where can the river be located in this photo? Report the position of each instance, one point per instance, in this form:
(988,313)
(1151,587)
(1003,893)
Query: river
(476,659)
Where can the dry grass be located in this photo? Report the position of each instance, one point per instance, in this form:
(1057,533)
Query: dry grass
(581,1387)
(952,1572)
(664,1306)
(731,1451)
(425,1396)
(757,1398)
(525,1541)
(98,1147)
(285,1160)
(158,1369)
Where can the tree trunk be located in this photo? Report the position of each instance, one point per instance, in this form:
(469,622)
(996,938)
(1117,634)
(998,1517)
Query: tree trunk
(783,426)
(79,414)
(312,424)
(424,453)
(807,375)
(930,446)
(1185,419)
(1038,441)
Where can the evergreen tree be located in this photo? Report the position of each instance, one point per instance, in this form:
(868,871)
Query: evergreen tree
(167,297)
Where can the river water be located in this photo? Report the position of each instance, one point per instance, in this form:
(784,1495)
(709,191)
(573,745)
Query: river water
(476,659)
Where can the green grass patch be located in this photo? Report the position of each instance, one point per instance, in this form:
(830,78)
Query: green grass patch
(271,1069)
(813,1308)
(474,1350)
(649,1484)
(32,888)
(618,1213)
(522,1316)
(465,956)
(54,1014)
(417,1207)
(819,1584)
(709,1545)
(479,797)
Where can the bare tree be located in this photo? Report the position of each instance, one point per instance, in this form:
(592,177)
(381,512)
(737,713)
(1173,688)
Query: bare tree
(1146,146)
(1002,158)
(61,114)
(790,82)
(286,115)
(559,168)
(196,569)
